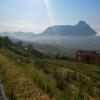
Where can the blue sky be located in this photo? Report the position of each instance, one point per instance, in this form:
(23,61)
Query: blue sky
(36,15)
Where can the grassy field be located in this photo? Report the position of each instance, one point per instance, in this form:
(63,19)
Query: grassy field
(29,75)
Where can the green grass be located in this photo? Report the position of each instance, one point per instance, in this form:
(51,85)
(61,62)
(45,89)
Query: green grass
(31,76)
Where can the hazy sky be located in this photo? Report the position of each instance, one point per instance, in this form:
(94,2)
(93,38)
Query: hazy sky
(36,15)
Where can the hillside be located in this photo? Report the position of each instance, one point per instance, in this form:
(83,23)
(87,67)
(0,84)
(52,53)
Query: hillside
(30,75)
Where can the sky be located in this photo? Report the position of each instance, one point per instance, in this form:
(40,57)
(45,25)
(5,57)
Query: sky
(36,15)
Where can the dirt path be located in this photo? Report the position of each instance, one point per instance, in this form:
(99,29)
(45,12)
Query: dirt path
(2,91)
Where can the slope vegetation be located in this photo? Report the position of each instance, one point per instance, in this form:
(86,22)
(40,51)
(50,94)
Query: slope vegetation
(30,75)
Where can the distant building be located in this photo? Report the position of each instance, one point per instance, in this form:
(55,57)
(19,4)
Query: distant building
(90,57)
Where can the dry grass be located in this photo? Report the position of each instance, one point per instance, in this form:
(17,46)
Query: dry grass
(18,84)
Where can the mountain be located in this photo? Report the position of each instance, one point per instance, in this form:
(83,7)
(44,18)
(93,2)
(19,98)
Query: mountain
(59,38)
(81,29)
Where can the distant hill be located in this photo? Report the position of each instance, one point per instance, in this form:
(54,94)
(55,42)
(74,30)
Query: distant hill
(18,35)
(81,29)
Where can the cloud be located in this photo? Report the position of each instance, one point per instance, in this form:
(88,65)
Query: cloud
(98,31)
(24,26)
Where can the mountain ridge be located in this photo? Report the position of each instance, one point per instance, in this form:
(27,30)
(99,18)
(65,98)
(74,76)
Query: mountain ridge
(80,29)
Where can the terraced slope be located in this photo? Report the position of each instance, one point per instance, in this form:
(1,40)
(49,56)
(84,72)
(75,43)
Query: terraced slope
(77,81)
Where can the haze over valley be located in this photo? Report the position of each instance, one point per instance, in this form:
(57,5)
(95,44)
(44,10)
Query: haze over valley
(60,38)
